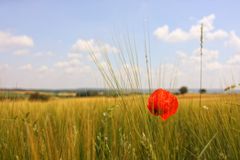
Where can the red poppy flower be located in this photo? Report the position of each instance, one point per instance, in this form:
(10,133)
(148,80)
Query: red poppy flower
(162,103)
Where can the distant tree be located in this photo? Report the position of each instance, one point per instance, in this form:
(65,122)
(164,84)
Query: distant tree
(87,93)
(202,91)
(38,97)
(81,94)
(183,90)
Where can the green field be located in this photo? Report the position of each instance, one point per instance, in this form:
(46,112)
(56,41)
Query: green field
(119,128)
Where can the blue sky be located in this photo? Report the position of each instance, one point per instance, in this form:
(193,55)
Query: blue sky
(37,39)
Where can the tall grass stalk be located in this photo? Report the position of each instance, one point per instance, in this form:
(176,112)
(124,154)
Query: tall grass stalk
(201,55)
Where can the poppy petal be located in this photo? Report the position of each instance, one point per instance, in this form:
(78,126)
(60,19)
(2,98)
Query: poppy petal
(162,103)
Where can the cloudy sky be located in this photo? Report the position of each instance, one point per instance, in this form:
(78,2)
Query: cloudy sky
(45,44)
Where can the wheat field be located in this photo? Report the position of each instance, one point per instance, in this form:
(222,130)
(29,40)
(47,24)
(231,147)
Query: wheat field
(119,128)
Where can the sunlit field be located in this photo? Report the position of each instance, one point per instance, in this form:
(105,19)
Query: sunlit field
(120,128)
(119,80)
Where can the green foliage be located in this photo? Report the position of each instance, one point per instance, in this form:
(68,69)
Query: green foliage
(38,97)
(231,87)
(183,90)
(203,91)
(88,93)
(94,93)
(11,96)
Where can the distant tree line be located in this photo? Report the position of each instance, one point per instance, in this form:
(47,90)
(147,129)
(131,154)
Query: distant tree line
(184,90)
(38,97)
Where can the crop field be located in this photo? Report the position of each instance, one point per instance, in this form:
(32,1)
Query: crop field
(120,128)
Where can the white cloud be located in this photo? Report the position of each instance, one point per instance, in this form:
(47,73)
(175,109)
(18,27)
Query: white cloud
(22,52)
(44,54)
(43,69)
(234,40)
(26,67)
(73,64)
(12,42)
(216,73)
(98,48)
(215,65)
(213,68)
(208,22)
(234,60)
(179,35)
(194,57)
(77,70)
(68,63)
(219,34)
(77,58)
(163,33)
(75,55)
(4,66)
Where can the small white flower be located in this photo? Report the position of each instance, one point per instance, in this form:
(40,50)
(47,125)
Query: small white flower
(205,107)
(104,114)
